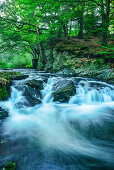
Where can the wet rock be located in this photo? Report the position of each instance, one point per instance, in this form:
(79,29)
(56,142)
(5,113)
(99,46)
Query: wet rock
(37,84)
(10,166)
(32,95)
(3,113)
(33,91)
(19,77)
(63,90)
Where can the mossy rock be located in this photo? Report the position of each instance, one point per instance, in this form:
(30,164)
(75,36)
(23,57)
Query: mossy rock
(9,76)
(10,166)
(33,96)
(37,84)
(32,91)
(4,93)
(4,89)
(63,91)
(6,81)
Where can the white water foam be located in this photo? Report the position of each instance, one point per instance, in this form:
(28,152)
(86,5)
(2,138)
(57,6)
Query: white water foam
(48,123)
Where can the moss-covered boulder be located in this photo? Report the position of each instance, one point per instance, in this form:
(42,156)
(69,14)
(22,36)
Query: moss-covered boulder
(4,89)
(3,113)
(63,90)
(6,81)
(37,84)
(9,166)
(33,91)
(9,75)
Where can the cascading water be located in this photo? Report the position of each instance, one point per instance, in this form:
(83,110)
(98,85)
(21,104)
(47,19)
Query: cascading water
(55,136)
(88,95)
(46,93)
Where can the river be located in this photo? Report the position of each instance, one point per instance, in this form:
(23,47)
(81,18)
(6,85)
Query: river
(78,135)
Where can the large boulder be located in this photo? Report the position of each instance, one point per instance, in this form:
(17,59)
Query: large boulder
(63,90)
(37,84)
(33,91)
(3,113)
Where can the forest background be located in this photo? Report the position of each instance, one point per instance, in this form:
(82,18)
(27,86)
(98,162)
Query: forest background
(56,35)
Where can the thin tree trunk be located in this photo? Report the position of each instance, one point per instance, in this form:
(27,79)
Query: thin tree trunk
(80,34)
(105,11)
(65,28)
(80,21)
(70,28)
(41,52)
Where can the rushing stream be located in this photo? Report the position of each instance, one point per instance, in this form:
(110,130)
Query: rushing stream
(77,135)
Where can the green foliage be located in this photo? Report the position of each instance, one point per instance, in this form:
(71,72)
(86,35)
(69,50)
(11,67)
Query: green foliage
(74,32)
(3,64)
(40,65)
(105,52)
(28,66)
(16,62)
(23,24)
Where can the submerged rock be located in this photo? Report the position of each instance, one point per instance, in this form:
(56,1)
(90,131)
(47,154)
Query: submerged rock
(63,90)
(3,113)
(33,91)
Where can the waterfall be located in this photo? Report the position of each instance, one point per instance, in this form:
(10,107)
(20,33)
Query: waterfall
(57,136)
(90,95)
(46,93)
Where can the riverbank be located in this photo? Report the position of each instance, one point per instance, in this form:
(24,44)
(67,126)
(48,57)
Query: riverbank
(101,74)
(81,57)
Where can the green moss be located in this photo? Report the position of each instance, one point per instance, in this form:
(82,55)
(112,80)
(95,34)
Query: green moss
(9,75)
(10,166)
(64,94)
(3,93)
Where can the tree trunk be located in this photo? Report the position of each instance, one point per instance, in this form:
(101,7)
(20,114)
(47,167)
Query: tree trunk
(34,63)
(70,28)
(59,33)
(80,21)
(80,34)
(65,29)
(41,52)
(105,11)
